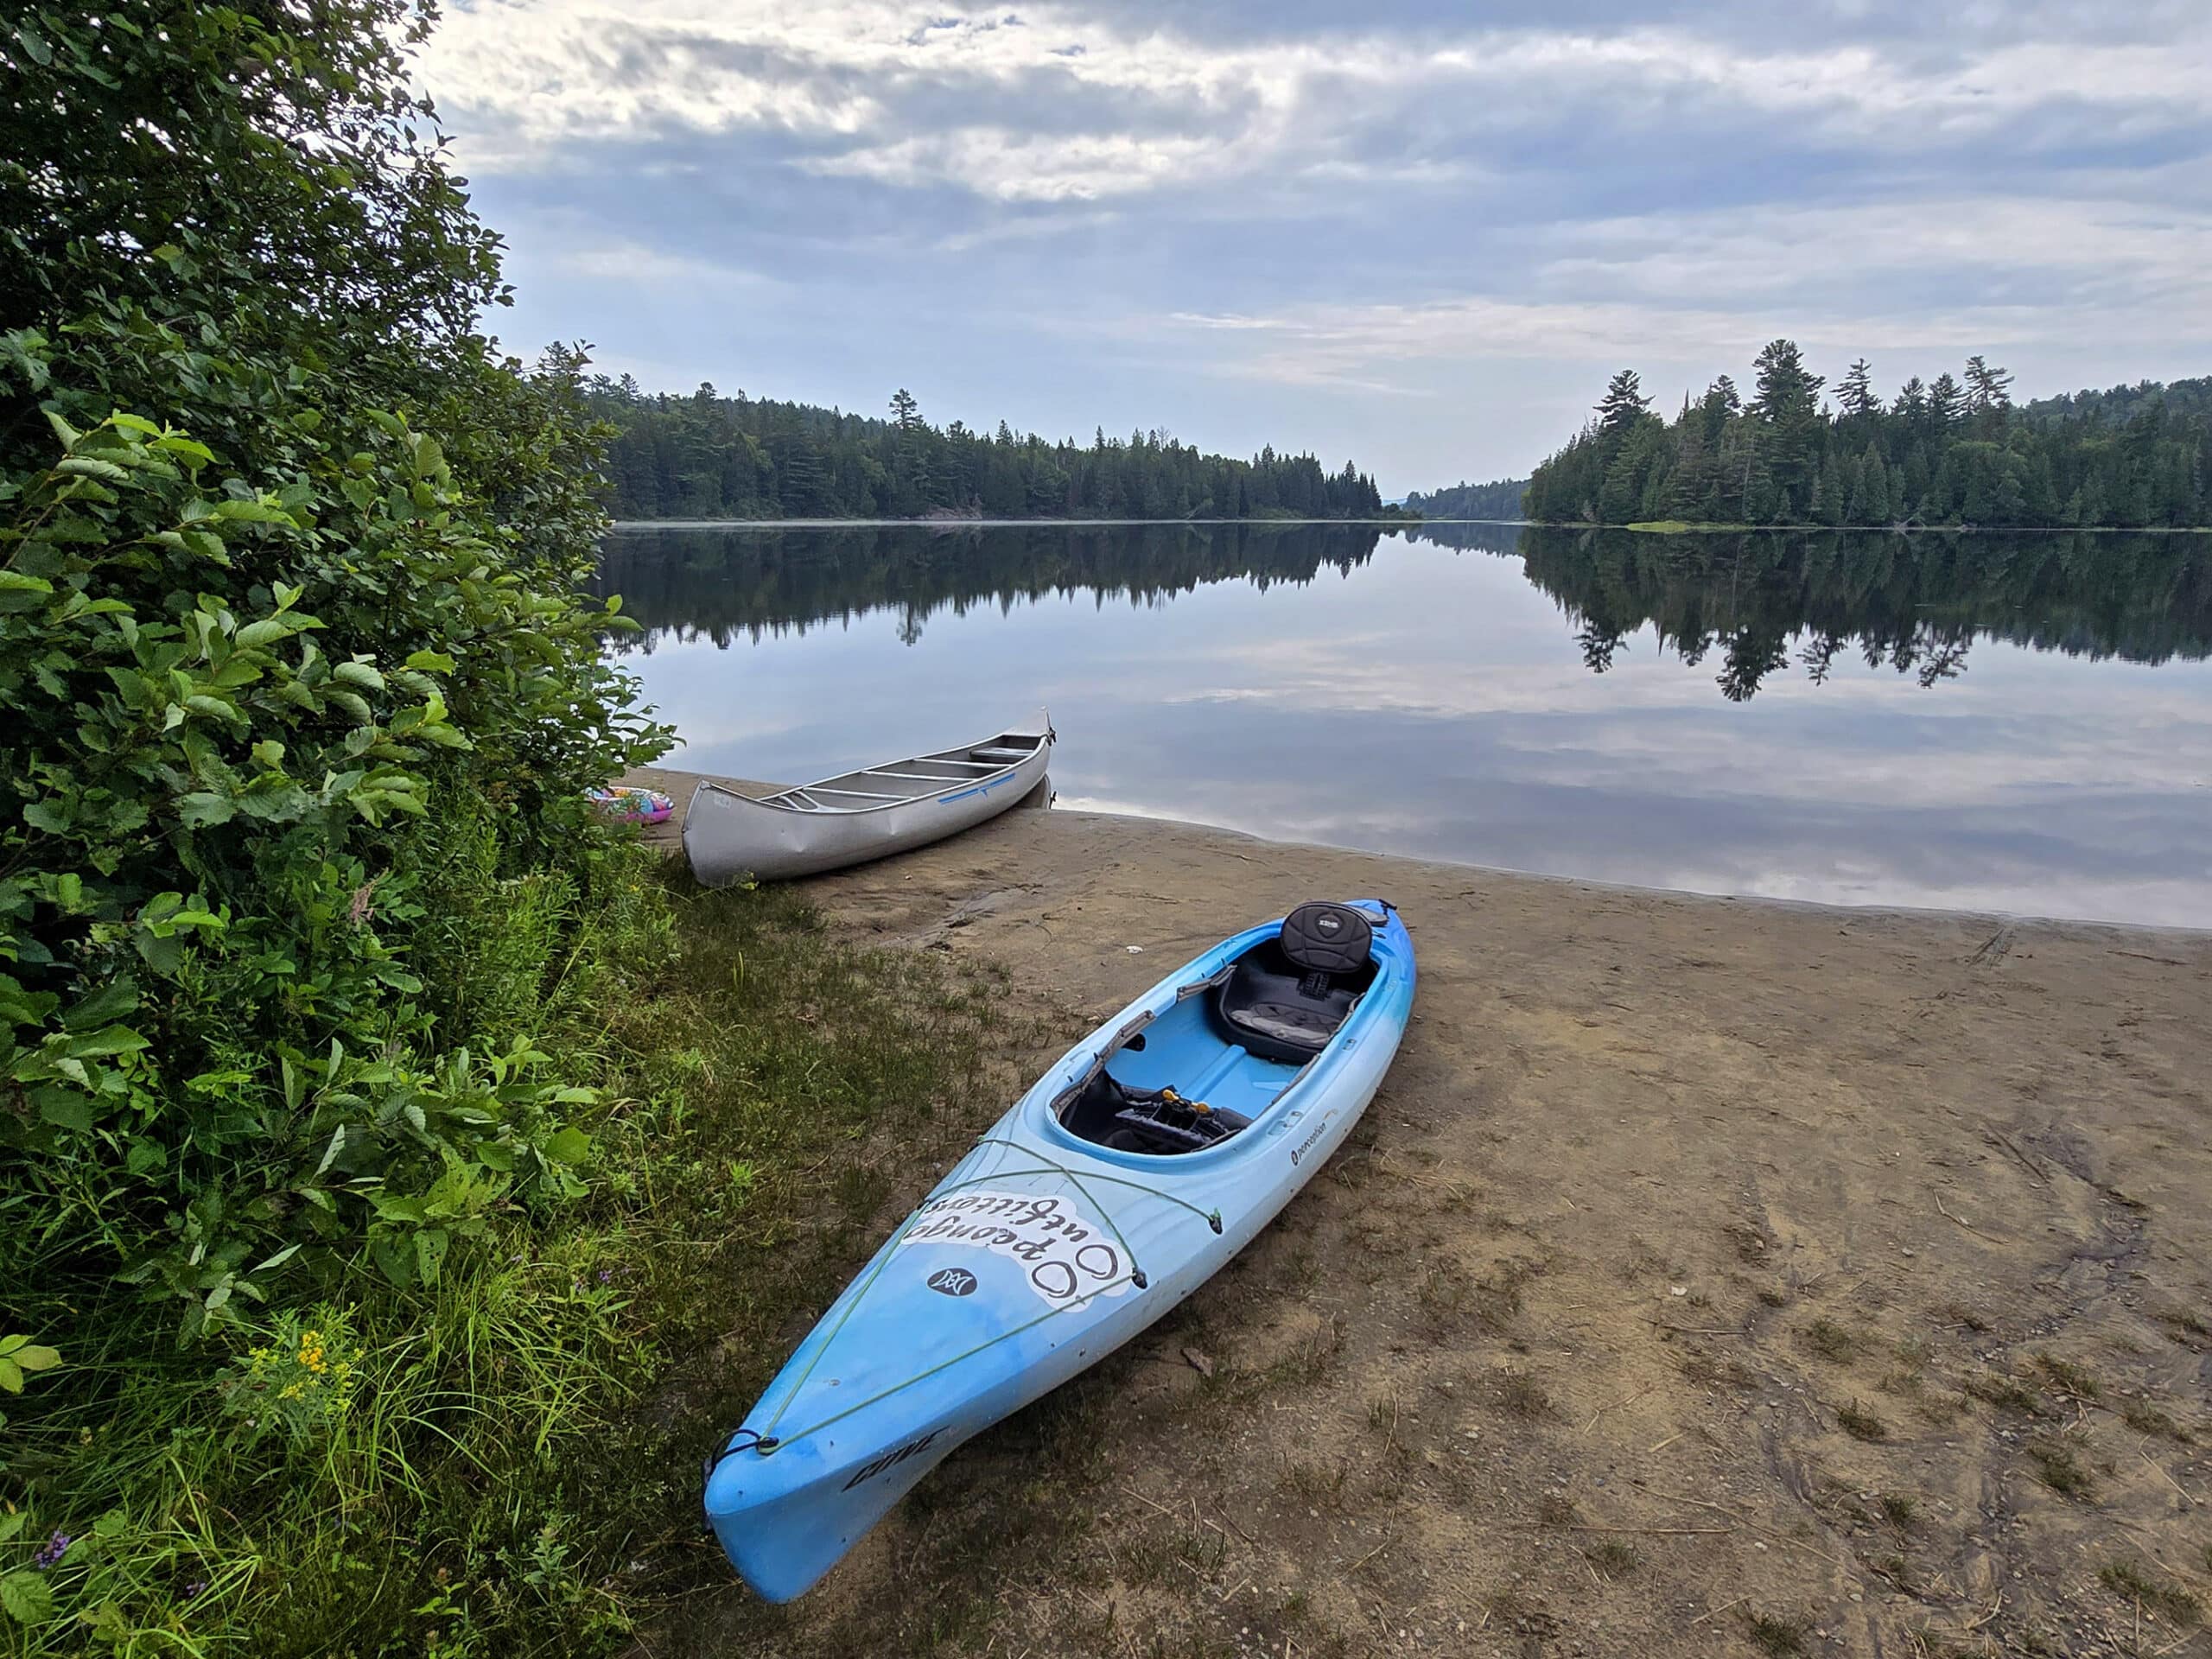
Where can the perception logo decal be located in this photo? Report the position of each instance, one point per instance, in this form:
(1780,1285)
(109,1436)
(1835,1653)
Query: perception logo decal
(1066,1255)
(953,1281)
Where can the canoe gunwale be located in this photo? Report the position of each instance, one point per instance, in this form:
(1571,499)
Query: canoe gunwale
(777,802)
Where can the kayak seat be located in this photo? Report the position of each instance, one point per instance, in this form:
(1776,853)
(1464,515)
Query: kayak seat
(1286,997)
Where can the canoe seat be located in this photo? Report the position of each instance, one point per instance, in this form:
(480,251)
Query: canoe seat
(999,757)
(1286,997)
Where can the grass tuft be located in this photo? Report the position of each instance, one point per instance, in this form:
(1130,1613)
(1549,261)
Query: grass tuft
(1837,1344)
(2170,1599)
(2058,1468)
(1614,1557)
(1775,1633)
(1860,1423)
(2147,1419)
(2072,1381)
(2007,1393)
(1519,1394)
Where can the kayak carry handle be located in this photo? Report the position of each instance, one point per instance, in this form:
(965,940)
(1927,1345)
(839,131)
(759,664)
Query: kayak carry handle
(760,1442)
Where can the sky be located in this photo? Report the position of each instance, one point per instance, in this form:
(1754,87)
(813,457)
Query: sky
(1416,235)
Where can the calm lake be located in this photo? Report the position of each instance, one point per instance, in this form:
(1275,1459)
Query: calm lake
(2017,723)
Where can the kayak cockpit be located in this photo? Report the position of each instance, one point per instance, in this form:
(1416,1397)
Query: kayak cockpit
(1205,1069)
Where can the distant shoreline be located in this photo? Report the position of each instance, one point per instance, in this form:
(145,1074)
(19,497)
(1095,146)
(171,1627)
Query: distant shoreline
(1680,527)
(966,523)
(1661,527)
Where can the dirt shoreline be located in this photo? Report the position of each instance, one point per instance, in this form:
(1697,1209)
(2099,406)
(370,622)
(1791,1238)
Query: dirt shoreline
(1710,1276)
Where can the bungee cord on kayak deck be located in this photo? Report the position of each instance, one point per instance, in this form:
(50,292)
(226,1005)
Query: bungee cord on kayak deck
(766,1441)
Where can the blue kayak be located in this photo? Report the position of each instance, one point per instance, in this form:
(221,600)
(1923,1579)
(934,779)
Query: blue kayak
(1150,1154)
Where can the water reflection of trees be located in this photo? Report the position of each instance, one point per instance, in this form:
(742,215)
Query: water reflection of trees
(1915,604)
(1753,602)
(721,584)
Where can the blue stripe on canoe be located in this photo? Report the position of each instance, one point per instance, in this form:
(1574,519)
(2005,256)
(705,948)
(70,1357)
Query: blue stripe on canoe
(980,789)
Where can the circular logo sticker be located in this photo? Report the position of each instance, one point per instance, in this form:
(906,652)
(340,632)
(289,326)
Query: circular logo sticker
(953,1281)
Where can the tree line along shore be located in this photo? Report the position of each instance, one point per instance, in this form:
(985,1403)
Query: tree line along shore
(1954,451)
(709,456)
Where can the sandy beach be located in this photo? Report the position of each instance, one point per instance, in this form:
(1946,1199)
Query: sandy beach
(1710,1276)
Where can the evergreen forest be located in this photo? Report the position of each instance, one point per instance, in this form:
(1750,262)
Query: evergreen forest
(1500,499)
(1954,451)
(710,456)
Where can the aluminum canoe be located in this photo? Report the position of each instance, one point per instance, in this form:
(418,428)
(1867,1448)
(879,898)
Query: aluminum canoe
(858,816)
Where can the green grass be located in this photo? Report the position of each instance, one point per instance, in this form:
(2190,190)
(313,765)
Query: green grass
(1860,1423)
(1682,527)
(510,1465)
(2058,1468)
(1837,1344)
(1776,1635)
(2156,1594)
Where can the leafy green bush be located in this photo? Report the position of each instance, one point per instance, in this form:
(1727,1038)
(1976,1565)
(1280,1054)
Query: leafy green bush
(302,909)
(221,1054)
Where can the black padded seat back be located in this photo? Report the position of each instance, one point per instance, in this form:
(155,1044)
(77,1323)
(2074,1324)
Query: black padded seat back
(1287,996)
(1323,938)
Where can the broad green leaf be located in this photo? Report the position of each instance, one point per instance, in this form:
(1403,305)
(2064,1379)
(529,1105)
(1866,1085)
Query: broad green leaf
(27,1597)
(116,1039)
(268,630)
(112,1001)
(201,809)
(568,1146)
(65,1110)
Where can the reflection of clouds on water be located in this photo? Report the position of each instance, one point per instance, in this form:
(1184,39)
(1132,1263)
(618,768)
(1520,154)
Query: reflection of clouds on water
(1434,704)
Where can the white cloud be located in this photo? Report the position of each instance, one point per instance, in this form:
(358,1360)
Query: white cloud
(531,74)
(636,264)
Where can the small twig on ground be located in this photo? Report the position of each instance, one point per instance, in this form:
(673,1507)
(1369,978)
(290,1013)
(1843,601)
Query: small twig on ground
(2163,1475)
(1723,1508)
(1370,1555)
(1657,1532)
(1694,1330)
(1710,1613)
(1995,1608)
(1964,1223)
(1664,1444)
(1628,1401)
(1142,1498)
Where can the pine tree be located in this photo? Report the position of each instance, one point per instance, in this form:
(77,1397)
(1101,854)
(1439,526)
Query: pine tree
(1947,403)
(1623,407)
(1788,410)
(1873,489)
(1987,389)
(1854,394)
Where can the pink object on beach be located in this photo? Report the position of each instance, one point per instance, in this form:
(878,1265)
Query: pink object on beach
(633,806)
